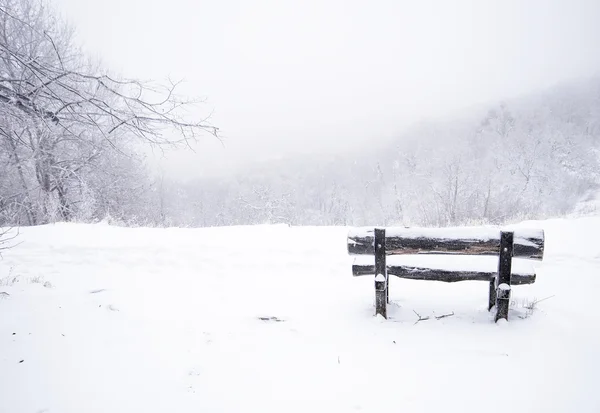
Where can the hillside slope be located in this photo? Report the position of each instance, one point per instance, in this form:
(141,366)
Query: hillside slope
(269,319)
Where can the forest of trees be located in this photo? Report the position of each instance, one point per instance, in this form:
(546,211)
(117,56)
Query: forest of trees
(69,132)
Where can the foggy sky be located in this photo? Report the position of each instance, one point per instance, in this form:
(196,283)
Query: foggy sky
(283,77)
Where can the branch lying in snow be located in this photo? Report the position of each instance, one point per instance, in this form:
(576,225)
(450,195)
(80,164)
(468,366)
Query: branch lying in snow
(532,306)
(275,319)
(535,302)
(439,317)
(420,318)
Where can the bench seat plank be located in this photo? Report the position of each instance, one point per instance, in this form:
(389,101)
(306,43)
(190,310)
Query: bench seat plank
(446,269)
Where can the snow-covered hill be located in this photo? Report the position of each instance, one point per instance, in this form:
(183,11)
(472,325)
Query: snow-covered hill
(269,319)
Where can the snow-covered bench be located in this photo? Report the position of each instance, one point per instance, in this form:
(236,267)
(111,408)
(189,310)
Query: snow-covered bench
(438,254)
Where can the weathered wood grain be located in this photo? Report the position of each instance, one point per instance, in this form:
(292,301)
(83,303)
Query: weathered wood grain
(527,243)
(505,278)
(434,274)
(381,280)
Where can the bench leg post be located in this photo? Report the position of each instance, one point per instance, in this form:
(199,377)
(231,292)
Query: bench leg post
(381,277)
(380,303)
(504,270)
(492,294)
(387,288)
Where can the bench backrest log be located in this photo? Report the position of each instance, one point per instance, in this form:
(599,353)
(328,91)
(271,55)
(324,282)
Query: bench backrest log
(528,243)
(375,249)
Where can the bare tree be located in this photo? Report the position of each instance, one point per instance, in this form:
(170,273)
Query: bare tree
(46,77)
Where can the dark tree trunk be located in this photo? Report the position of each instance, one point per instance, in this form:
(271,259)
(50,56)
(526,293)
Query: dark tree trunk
(64,206)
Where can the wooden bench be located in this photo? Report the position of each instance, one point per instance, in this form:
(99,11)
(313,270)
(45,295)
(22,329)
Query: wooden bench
(383,252)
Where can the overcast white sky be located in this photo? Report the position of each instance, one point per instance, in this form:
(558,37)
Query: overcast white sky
(287,76)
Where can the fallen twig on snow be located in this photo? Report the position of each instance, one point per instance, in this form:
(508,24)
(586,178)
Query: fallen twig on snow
(439,317)
(532,306)
(420,318)
(535,302)
(275,319)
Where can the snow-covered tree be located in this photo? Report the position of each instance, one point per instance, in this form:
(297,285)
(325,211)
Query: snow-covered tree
(68,127)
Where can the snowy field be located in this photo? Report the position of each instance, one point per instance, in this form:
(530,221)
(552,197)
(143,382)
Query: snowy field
(269,319)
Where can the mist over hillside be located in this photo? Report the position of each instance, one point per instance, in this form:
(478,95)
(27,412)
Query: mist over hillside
(531,157)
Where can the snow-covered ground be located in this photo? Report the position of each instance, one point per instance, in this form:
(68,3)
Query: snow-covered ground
(269,319)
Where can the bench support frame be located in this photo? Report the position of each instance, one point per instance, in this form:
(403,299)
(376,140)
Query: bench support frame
(502,281)
(499,287)
(381,275)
